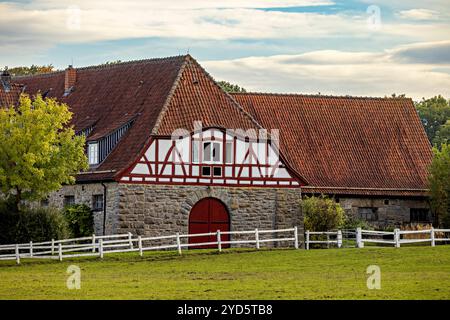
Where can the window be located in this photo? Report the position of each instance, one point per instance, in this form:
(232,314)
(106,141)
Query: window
(212,152)
(69,200)
(93,153)
(229,152)
(97,202)
(419,215)
(386,202)
(217,171)
(195,148)
(206,171)
(368,214)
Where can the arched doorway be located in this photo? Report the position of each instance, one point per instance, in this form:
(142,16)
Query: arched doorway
(209,215)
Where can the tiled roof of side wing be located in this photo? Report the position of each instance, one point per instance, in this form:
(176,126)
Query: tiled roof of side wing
(353,142)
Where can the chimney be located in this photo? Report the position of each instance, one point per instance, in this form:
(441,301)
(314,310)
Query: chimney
(70,78)
(6,79)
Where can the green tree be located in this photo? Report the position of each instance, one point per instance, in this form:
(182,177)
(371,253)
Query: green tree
(322,214)
(33,69)
(439,184)
(38,149)
(230,88)
(433,112)
(442,135)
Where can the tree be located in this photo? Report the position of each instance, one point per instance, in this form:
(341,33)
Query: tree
(442,135)
(33,69)
(39,151)
(230,88)
(439,184)
(433,112)
(322,214)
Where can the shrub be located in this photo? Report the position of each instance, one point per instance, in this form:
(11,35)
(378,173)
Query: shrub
(354,222)
(322,214)
(80,220)
(40,224)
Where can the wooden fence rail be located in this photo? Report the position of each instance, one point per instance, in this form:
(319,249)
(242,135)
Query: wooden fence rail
(395,238)
(101,245)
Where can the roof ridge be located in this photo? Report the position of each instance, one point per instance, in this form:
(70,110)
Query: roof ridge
(317,96)
(102,66)
(228,95)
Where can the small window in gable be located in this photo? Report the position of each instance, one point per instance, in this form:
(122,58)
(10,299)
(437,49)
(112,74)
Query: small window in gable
(195,148)
(212,152)
(229,152)
(93,153)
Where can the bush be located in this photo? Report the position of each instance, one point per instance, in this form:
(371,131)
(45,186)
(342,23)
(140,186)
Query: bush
(354,222)
(37,225)
(80,220)
(322,214)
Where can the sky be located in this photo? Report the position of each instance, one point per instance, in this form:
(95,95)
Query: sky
(354,47)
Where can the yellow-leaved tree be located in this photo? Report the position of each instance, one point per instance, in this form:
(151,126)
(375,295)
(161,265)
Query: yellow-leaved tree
(39,151)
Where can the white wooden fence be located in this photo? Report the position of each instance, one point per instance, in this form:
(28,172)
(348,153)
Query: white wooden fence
(101,245)
(395,238)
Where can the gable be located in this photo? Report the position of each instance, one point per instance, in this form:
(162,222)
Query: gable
(212,157)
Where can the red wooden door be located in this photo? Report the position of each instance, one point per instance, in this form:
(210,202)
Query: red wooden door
(209,215)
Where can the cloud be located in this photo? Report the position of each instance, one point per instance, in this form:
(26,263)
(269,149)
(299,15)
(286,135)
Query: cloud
(419,14)
(334,72)
(428,53)
(52,22)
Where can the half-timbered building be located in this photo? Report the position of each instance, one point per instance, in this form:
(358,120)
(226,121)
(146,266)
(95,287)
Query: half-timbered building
(170,151)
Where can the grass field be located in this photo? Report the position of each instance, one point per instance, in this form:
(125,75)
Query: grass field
(406,273)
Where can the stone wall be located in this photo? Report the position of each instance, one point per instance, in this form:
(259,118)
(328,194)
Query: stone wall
(84,195)
(393,213)
(153,210)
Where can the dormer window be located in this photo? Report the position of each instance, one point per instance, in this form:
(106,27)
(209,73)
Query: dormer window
(93,153)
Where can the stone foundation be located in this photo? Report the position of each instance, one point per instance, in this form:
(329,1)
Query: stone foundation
(153,210)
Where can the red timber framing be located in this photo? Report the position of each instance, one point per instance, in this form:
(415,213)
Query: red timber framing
(211,157)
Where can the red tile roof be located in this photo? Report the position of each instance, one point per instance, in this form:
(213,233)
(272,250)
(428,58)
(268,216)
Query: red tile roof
(342,145)
(348,145)
(10,97)
(108,97)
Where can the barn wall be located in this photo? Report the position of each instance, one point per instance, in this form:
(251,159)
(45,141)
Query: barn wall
(83,195)
(154,210)
(395,213)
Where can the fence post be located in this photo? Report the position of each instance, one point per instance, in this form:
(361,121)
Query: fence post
(140,246)
(60,253)
(432,236)
(339,239)
(31,249)
(397,237)
(257,238)
(129,240)
(178,243)
(100,248)
(53,246)
(296,237)
(17,254)
(328,241)
(93,242)
(307,240)
(359,243)
(219,241)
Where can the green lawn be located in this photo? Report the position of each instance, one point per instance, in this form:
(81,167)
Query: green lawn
(406,273)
